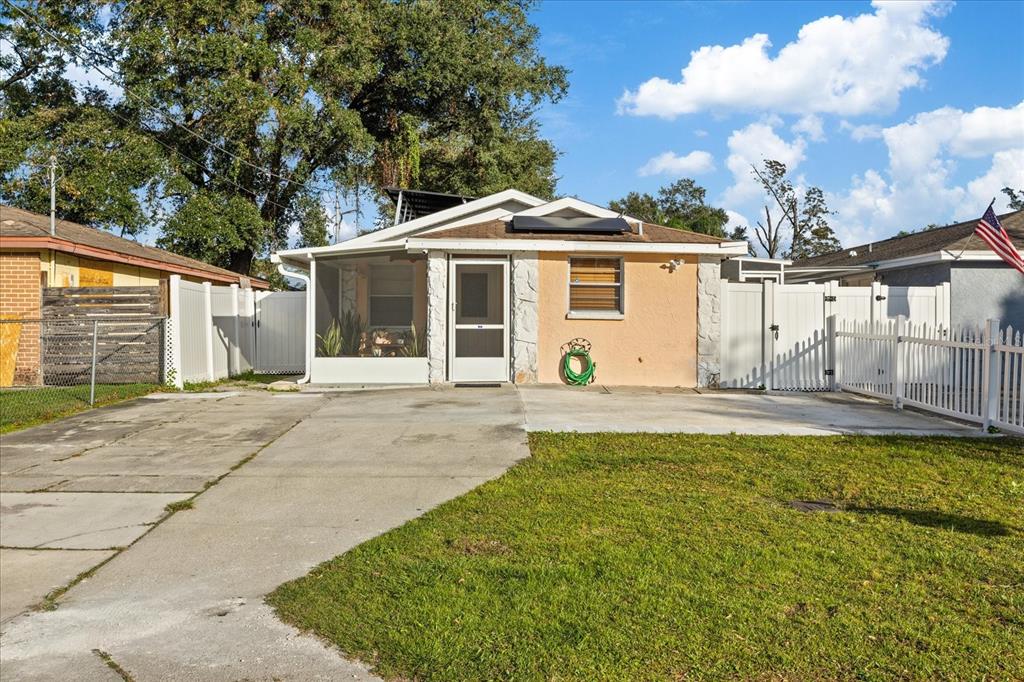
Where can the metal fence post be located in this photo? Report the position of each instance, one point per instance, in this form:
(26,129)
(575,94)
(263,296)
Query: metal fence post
(92,380)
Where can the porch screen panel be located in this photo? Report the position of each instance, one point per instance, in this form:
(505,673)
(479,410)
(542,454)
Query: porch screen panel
(595,285)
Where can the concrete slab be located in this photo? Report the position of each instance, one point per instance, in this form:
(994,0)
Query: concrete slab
(31,574)
(155,483)
(79,520)
(186,601)
(595,409)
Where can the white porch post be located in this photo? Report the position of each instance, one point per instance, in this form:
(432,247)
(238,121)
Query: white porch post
(437,316)
(311,318)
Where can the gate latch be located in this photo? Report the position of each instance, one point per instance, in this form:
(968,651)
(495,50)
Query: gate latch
(831,299)
(775,328)
(830,372)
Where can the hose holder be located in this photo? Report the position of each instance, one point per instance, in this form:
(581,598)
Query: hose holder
(578,348)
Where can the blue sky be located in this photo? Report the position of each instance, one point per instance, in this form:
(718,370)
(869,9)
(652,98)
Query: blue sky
(904,114)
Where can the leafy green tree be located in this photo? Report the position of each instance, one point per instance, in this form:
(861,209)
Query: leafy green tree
(1016,198)
(267,103)
(806,213)
(681,205)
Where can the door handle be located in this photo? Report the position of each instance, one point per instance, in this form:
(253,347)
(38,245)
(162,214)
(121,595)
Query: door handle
(775,328)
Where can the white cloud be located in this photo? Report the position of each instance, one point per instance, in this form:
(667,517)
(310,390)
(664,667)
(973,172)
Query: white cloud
(669,163)
(920,185)
(750,146)
(810,126)
(837,65)
(859,133)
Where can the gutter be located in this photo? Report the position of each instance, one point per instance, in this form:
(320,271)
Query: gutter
(281,267)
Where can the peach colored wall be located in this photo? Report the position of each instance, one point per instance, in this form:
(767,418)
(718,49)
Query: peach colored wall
(654,345)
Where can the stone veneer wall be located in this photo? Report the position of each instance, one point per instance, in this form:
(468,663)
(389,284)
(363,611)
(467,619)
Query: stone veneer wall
(525,278)
(709,321)
(437,313)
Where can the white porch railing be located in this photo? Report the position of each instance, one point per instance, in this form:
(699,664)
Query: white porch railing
(971,374)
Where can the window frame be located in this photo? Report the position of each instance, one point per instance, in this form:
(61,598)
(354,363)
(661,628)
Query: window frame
(596,314)
(370,295)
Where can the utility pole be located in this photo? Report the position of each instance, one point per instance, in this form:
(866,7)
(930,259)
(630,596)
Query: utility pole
(53,195)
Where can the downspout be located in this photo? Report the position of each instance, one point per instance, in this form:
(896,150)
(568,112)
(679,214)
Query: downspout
(297,274)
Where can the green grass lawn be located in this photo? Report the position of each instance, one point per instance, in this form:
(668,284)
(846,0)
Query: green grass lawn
(658,557)
(24,407)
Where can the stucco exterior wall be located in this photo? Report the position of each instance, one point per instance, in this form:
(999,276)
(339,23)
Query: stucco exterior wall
(656,342)
(983,291)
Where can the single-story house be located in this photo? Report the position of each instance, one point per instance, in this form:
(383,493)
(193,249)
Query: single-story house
(74,256)
(982,286)
(496,288)
(78,256)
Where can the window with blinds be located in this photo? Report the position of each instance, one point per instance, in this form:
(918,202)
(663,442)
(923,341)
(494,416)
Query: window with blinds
(391,290)
(595,285)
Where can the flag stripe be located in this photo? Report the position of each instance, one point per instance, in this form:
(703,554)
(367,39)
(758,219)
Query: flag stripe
(998,239)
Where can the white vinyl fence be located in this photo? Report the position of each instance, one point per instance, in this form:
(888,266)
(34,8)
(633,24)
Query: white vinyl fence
(774,335)
(214,332)
(970,374)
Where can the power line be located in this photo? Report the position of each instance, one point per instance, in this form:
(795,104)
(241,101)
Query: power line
(170,119)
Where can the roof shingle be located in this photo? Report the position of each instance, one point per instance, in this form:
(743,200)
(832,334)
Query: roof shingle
(949,238)
(16,222)
(500,229)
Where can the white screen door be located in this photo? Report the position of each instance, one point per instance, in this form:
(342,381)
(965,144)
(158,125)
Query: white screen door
(478,320)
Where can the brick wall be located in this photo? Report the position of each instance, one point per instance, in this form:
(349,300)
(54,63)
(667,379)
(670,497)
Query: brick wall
(19,299)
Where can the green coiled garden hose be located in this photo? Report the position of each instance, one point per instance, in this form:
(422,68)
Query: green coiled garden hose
(579,348)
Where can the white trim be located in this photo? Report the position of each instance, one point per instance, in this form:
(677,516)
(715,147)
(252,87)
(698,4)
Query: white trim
(594,315)
(574,204)
(448,214)
(584,314)
(723,249)
(943,255)
(370,370)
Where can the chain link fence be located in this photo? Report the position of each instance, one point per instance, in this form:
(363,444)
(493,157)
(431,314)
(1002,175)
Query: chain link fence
(50,367)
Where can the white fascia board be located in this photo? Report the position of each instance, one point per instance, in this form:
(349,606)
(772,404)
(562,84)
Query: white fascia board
(447,215)
(757,259)
(342,249)
(724,249)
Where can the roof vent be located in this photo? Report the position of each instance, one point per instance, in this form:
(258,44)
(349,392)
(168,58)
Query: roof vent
(530,223)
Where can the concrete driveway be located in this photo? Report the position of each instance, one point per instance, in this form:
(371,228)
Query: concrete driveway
(286,481)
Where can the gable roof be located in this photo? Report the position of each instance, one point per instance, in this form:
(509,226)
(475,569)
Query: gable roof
(502,229)
(954,238)
(25,229)
(444,216)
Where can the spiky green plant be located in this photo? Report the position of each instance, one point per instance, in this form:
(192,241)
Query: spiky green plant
(332,342)
(413,347)
(352,330)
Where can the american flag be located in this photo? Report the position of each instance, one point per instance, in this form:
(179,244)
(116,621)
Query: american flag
(998,240)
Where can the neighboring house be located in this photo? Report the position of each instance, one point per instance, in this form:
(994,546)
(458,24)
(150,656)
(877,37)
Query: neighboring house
(981,285)
(494,289)
(75,256)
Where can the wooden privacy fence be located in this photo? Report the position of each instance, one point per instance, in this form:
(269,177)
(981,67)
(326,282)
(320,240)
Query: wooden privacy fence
(971,374)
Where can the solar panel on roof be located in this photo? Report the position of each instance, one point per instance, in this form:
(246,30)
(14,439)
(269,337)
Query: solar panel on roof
(529,223)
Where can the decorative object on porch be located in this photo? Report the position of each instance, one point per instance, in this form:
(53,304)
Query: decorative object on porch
(578,348)
(331,342)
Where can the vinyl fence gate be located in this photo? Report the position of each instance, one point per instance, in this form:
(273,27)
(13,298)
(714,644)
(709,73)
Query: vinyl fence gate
(774,335)
(215,332)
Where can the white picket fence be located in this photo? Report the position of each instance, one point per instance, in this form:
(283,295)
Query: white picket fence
(971,374)
(215,332)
